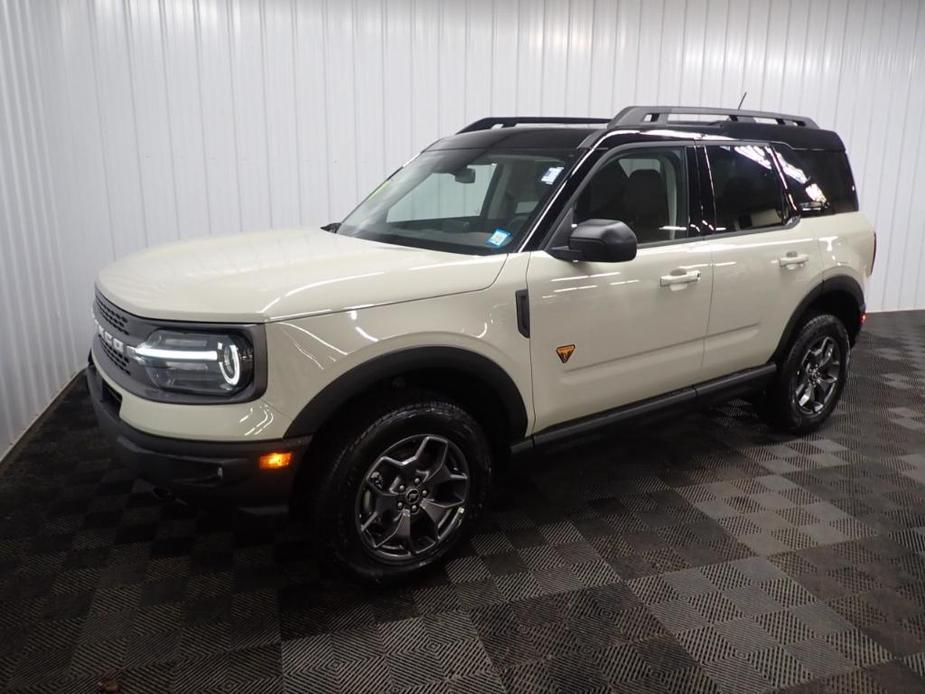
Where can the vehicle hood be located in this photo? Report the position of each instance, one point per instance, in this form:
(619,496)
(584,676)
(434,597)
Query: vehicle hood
(272,275)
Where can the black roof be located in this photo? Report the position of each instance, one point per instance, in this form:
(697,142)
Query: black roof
(643,123)
(798,138)
(520,137)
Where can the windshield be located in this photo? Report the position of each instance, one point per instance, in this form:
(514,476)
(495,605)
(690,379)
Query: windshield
(459,200)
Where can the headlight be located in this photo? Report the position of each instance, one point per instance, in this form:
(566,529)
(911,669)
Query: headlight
(199,363)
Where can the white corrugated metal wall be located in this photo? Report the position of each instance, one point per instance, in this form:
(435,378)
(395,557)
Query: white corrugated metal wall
(38,329)
(129,123)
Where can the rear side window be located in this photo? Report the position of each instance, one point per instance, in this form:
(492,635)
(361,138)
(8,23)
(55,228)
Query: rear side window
(819,180)
(747,188)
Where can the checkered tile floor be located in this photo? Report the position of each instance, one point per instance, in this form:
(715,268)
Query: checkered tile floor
(708,554)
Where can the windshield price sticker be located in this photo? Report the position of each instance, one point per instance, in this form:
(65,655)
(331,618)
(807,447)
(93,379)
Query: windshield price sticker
(499,238)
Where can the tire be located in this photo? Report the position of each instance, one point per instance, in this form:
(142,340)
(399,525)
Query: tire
(811,377)
(355,509)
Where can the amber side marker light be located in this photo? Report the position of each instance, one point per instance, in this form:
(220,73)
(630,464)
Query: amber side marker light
(276,460)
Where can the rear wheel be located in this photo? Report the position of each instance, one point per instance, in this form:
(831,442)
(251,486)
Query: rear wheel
(811,378)
(407,477)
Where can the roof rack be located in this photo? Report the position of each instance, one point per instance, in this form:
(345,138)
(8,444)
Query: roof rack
(511,121)
(634,115)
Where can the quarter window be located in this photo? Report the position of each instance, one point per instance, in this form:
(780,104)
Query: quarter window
(819,180)
(644,189)
(747,188)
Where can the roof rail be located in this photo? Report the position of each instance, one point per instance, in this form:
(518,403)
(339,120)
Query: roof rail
(511,121)
(634,115)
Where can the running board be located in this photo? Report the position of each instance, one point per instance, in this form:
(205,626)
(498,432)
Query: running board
(690,398)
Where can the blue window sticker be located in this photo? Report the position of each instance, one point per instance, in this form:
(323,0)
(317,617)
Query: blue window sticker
(499,238)
(551,174)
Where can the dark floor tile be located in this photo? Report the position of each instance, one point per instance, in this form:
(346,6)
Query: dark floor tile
(626,562)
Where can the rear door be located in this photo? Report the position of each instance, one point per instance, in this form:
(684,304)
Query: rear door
(764,260)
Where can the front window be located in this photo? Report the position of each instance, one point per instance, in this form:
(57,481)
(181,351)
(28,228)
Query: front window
(460,200)
(644,189)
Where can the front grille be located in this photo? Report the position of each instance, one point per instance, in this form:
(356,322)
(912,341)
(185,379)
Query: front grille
(112,316)
(118,359)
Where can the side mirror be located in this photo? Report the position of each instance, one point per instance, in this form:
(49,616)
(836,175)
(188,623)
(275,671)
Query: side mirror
(599,240)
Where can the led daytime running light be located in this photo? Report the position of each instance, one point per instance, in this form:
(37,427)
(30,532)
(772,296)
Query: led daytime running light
(235,375)
(143,350)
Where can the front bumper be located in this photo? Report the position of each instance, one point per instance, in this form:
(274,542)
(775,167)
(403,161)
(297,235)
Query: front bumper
(204,473)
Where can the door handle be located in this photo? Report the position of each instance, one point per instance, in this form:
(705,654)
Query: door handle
(793,259)
(680,276)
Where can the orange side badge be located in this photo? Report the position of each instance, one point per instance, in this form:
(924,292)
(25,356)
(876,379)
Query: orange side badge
(564,352)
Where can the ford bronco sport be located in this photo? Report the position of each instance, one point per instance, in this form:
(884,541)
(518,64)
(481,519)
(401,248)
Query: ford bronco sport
(521,281)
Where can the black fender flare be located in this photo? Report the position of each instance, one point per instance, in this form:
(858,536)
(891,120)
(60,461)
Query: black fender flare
(847,284)
(393,364)
(839,283)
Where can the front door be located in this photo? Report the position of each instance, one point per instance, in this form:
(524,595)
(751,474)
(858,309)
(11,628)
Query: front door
(608,334)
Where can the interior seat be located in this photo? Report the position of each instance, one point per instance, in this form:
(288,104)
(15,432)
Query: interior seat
(645,202)
(743,205)
(734,203)
(603,198)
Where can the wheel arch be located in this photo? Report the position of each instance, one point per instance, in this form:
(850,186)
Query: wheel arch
(461,373)
(841,296)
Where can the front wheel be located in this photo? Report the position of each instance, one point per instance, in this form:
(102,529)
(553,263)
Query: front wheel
(811,378)
(407,477)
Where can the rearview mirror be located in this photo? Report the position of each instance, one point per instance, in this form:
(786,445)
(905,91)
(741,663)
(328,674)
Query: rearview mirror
(466,175)
(599,240)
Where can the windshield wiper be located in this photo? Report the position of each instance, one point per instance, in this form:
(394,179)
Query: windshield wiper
(331,226)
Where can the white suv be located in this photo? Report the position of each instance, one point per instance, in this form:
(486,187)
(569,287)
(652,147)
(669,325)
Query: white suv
(514,284)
